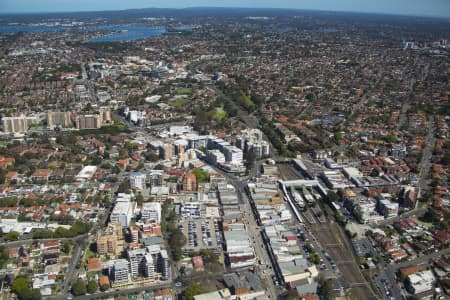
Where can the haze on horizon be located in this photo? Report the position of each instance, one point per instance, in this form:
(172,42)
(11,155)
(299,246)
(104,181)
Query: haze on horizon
(436,8)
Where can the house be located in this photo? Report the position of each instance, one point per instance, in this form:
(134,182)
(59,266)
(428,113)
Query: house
(6,162)
(41,175)
(197,261)
(50,246)
(104,281)
(442,237)
(57,175)
(93,265)
(13,253)
(12,175)
(220,294)
(122,163)
(164,294)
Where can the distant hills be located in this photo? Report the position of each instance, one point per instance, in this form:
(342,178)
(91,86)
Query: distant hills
(195,11)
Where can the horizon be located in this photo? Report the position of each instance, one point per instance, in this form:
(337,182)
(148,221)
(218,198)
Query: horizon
(413,8)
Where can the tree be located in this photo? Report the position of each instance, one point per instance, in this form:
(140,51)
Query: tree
(326,288)
(12,236)
(315,258)
(79,288)
(251,159)
(191,291)
(66,247)
(92,287)
(176,241)
(200,175)
(104,287)
(332,196)
(124,187)
(139,198)
(21,287)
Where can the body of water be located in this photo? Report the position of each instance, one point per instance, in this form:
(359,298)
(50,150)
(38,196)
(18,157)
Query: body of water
(123,33)
(126,33)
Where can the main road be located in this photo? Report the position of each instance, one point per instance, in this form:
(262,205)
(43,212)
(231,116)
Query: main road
(421,259)
(265,269)
(425,163)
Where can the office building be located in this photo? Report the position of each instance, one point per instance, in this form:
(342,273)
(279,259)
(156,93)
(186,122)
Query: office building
(215,157)
(151,212)
(123,210)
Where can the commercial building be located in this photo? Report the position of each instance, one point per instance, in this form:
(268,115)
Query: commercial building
(251,141)
(123,211)
(388,208)
(292,264)
(138,180)
(86,173)
(233,155)
(365,211)
(334,179)
(239,248)
(420,282)
(215,157)
(151,212)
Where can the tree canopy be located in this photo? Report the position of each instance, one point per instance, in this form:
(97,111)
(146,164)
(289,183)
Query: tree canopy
(191,291)
(21,287)
(79,288)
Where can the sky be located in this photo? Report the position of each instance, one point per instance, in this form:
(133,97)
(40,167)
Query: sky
(438,8)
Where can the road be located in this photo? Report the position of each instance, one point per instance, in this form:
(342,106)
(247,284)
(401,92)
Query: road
(254,231)
(89,84)
(414,212)
(386,282)
(19,243)
(425,163)
(81,243)
(421,259)
(259,246)
(403,115)
(102,295)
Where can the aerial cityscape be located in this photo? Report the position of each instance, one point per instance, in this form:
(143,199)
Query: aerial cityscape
(228,153)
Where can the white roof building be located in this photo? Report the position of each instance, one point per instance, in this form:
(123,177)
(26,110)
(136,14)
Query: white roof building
(420,282)
(151,211)
(86,173)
